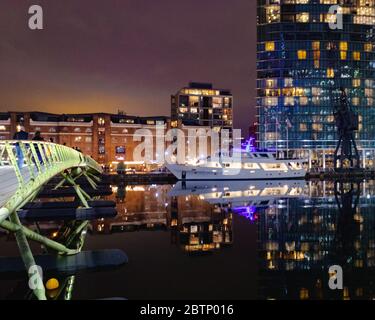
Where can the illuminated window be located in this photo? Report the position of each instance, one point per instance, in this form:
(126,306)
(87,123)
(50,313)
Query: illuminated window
(356,55)
(270,46)
(289,101)
(316,91)
(330,73)
(303,127)
(299,92)
(316,45)
(2,128)
(194,101)
(356,82)
(303,101)
(183,110)
(343,46)
(317,127)
(273,13)
(288,82)
(316,55)
(194,110)
(303,17)
(217,102)
(270,101)
(271,83)
(302,54)
(343,55)
(316,64)
(355,101)
(304,294)
(101,121)
(369,92)
(368,47)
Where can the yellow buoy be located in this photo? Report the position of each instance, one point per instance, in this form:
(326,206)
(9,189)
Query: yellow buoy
(52,284)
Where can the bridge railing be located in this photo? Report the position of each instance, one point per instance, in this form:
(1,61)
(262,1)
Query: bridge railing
(25,166)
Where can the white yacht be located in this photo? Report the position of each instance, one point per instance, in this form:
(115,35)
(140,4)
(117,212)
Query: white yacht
(252,166)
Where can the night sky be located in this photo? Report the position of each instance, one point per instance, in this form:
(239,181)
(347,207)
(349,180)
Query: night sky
(105,55)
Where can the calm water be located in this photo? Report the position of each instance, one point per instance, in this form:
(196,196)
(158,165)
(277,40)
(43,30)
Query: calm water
(220,240)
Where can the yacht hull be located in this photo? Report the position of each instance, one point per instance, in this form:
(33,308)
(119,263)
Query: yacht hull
(192,173)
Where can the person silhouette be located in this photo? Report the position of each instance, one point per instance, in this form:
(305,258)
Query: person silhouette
(20,135)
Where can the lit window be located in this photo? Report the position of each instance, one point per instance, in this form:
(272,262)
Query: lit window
(302,54)
(289,101)
(304,294)
(343,55)
(270,46)
(194,110)
(355,101)
(303,101)
(303,17)
(183,110)
(288,82)
(2,128)
(273,13)
(271,83)
(356,82)
(270,101)
(369,92)
(101,121)
(316,45)
(316,55)
(330,73)
(368,47)
(343,46)
(317,126)
(303,127)
(356,55)
(316,64)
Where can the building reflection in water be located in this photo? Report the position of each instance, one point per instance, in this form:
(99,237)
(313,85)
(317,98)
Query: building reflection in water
(299,241)
(303,229)
(195,225)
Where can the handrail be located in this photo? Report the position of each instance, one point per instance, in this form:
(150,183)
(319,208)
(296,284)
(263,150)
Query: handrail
(34,163)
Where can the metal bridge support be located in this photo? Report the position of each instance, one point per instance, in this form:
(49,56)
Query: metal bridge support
(44,161)
(27,257)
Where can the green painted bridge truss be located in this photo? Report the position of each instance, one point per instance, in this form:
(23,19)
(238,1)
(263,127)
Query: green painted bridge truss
(25,167)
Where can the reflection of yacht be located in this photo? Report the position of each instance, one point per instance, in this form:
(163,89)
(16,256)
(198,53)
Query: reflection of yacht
(256,193)
(251,166)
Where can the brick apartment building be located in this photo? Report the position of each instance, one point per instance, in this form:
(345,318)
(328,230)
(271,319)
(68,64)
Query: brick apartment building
(108,138)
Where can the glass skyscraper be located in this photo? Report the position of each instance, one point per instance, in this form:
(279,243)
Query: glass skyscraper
(301,64)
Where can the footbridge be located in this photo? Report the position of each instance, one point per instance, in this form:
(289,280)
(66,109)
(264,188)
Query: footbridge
(25,167)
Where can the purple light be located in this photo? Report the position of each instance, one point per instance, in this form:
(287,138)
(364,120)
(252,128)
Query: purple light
(248,212)
(249,145)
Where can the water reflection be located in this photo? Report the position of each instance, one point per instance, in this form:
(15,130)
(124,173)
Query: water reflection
(194,224)
(302,229)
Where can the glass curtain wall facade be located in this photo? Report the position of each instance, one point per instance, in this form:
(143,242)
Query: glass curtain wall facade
(301,65)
